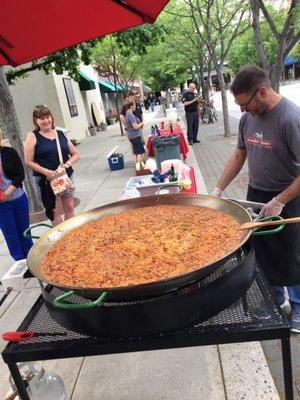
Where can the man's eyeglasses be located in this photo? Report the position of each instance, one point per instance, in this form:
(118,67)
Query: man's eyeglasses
(249,101)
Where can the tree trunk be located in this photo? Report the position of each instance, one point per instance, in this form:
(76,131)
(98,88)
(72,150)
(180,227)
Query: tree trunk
(201,80)
(12,125)
(264,62)
(118,112)
(224,102)
(277,69)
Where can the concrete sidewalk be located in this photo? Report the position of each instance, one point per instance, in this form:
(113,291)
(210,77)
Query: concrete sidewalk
(227,372)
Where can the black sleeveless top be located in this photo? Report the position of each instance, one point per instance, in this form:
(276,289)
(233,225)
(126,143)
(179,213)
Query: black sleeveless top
(46,154)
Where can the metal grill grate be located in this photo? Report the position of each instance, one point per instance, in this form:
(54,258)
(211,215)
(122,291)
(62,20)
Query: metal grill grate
(254,310)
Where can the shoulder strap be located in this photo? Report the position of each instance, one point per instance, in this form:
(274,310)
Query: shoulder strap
(58,148)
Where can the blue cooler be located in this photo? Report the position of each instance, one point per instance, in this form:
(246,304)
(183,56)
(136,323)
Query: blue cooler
(116,161)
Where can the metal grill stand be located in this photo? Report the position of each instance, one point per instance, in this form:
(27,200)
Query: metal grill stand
(255,316)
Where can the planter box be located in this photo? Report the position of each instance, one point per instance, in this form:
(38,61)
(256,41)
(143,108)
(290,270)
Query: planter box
(93,131)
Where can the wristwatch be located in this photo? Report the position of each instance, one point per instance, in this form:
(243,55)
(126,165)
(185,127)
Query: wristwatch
(68,164)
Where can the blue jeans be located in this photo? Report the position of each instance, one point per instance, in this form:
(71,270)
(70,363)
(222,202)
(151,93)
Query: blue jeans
(294,295)
(14,220)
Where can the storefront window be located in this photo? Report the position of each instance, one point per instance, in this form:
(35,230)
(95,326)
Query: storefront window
(70,97)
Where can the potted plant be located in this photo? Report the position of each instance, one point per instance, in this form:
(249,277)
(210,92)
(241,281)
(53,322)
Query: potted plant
(74,142)
(92,129)
(103,126)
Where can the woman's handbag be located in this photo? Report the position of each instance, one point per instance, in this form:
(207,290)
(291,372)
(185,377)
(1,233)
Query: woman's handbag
(61,183)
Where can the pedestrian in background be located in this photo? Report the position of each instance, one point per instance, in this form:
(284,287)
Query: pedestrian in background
(128,99)
(14,209)
(151,101)
(134,132)
(190,102)
(269,137)
(138,112)
(41,155)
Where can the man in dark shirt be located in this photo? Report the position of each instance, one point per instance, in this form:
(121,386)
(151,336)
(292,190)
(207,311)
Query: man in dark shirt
(269,138)
(190,102)
(138,109)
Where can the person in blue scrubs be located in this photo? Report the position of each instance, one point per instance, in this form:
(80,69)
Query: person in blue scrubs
(14,209)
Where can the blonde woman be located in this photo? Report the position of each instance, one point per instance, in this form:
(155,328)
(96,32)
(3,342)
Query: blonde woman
(14,210)
(41,156)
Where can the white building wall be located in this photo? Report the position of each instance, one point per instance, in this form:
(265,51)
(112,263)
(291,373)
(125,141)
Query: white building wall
(90,96)
(77,125)
(37,88)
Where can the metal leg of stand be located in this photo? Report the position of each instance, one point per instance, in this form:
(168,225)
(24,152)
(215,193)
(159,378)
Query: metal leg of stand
(21,388)
(287,369)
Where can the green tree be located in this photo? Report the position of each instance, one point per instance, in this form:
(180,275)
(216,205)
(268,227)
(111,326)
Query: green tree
(295,52)
(67,60)
(180,56)
(243,50)
(121,55)
(218,23)
(286,31)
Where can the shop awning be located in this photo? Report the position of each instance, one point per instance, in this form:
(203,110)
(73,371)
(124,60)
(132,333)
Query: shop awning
(120,87)
(85,82)
(70,22)
(107,87)
(290,61)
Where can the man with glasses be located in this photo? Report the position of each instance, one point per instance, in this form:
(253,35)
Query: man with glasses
(269,137)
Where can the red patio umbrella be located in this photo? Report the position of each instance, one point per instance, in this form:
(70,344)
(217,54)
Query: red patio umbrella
(34,28)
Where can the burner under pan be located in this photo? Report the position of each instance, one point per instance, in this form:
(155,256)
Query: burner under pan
(178,309)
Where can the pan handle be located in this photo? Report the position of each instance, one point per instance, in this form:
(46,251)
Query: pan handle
(59,304)
(167,187)
(27,232)
(278,229)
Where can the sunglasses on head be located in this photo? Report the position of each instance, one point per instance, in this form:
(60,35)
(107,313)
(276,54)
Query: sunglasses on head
(40,106)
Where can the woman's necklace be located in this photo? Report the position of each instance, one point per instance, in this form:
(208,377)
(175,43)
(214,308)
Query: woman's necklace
(49,134)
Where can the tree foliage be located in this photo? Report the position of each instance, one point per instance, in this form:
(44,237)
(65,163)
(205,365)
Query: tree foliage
(137,40)
(286,33)
(169,62)
(111,61)
(243,50)
(67,60)
(295,52)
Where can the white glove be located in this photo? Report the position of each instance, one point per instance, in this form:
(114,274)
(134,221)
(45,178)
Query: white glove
(216,192)
(273,207)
